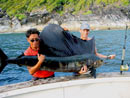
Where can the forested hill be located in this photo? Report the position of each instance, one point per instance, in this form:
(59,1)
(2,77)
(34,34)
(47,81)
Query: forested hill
(18,8)
(20,15)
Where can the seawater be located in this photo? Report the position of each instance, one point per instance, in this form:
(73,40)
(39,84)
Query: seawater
(107,42)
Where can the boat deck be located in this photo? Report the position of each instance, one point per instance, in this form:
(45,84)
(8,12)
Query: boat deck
(32,83)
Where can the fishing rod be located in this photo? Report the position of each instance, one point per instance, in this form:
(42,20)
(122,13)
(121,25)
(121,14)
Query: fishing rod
(122,66)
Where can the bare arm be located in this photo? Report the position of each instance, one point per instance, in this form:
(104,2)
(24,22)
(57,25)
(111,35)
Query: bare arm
(36,67)
(104,56)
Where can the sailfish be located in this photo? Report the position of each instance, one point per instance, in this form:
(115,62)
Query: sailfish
(63,52)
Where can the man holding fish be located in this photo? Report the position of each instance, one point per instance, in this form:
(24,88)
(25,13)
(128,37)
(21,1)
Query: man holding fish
(84,31)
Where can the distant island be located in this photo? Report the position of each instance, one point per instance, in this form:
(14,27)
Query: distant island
(20,15)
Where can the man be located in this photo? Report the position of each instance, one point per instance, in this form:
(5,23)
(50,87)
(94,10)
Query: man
(34,41)
(84,31)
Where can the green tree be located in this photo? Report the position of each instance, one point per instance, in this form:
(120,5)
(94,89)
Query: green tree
(19,7)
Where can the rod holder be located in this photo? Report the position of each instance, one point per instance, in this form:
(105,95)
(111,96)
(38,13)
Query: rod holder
(124,67)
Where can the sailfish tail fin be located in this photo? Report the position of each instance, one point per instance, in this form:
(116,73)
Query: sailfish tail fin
(3,58)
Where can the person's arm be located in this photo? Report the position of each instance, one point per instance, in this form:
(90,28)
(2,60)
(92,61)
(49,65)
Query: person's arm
(36,67)
(104,56)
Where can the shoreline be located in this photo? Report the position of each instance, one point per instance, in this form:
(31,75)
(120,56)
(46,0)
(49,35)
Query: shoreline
(101,18)
(23,30)
(71,26)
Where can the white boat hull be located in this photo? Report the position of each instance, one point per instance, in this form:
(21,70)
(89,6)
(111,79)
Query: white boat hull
(108,87)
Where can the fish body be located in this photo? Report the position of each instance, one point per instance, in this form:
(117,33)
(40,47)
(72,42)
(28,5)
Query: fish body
(58,64)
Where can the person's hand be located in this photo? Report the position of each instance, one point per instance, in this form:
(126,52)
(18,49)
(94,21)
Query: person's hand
(83,70)
(41,58)
(66,29)
(111,56)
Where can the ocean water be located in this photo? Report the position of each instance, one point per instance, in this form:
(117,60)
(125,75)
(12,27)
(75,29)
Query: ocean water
(107,42)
